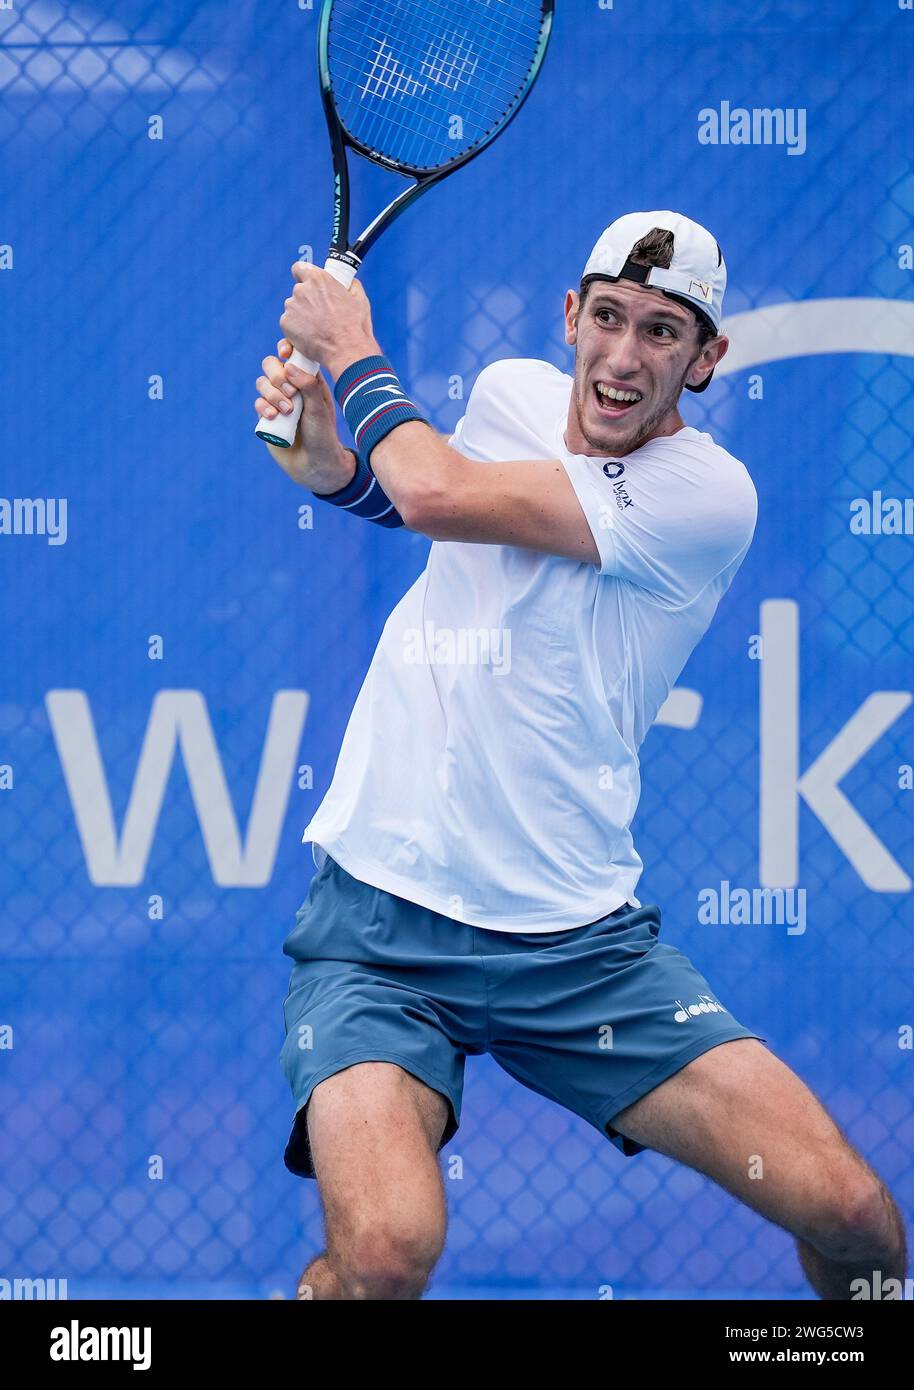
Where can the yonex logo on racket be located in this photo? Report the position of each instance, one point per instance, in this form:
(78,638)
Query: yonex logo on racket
(447,63)
(337,205)
(449,66)
(386,78)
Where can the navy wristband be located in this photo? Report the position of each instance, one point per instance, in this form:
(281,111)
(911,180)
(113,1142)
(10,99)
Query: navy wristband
(364,497)
(373,402)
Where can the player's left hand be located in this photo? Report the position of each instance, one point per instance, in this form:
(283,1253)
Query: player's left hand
(327,323)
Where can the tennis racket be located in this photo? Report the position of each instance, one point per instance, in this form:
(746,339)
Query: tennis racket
(419,87)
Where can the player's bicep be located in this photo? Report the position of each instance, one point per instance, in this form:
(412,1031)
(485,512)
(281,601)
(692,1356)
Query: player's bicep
(530,504)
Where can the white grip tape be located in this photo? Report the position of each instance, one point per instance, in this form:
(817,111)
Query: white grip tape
(281,431)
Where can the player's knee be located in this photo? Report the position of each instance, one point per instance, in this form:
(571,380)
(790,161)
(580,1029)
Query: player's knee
(386,1260)
(855,1219)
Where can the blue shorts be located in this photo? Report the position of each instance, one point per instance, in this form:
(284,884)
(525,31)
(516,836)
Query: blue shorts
(593,1017)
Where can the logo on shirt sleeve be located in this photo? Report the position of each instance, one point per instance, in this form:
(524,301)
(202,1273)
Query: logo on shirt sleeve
(615,472)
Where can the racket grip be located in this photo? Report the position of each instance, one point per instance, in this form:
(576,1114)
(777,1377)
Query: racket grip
(281,431)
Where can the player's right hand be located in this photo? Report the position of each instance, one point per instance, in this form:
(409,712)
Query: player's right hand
(316,458)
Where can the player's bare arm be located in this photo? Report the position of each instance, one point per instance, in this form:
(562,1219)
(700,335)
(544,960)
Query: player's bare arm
(436,490)
(625,348)
(528,503)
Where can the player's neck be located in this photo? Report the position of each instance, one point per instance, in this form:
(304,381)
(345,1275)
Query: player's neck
(577,443)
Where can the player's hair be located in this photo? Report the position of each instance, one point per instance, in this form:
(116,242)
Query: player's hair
(656,248)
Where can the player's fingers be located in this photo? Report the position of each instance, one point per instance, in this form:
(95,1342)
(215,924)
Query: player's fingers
(273,395)
(303,381)
(265,410)
(302,269)
(276,373)
(284,348)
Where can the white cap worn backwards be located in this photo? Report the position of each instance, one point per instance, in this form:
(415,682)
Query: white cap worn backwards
(697,275)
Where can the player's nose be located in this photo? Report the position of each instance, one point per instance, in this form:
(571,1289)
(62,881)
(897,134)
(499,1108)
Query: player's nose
(625,355)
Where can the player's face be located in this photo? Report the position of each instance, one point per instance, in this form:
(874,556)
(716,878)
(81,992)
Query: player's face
(634,349)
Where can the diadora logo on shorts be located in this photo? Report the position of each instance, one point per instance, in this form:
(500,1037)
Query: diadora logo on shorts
(705,1005)
(615,471)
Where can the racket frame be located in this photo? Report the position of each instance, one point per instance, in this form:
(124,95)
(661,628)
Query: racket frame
(345,258)
(342,139)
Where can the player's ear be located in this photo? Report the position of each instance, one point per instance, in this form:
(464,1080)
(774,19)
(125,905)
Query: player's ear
(712,352)
(571,318)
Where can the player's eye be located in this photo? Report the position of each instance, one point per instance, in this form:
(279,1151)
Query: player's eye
(663,328)
(604,315)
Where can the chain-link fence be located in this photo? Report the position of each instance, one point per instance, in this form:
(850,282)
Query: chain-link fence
(162,165)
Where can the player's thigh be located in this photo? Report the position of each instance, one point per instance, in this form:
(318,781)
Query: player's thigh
(740,1116)
(374,1131)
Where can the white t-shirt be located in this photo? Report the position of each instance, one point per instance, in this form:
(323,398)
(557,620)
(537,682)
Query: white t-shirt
(489,770)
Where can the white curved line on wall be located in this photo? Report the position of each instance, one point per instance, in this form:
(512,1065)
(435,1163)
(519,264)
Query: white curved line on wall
(811,327)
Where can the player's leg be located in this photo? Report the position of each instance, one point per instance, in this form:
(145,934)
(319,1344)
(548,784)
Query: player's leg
(374,1132)
(740,1116)
(628,1034)
(384,1002)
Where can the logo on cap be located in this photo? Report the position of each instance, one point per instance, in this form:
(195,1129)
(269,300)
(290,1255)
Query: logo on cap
(700,288)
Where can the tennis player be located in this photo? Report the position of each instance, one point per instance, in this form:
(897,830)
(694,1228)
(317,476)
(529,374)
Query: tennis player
(476,873)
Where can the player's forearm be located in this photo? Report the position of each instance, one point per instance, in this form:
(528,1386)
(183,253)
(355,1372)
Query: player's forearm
(327,475)
(528,503)
(321,472)
(421,476)
(375,406)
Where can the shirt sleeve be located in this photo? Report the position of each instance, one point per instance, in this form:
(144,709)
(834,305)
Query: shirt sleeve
(477,429)
(497,423)
(670,522)
(457,437)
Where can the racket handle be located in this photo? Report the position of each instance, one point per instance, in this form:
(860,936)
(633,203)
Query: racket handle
(281,432)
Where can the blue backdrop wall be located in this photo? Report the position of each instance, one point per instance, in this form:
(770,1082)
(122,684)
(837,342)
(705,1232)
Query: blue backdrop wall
(180,649)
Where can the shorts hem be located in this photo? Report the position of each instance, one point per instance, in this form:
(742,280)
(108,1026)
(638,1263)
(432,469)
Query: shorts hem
(422,1074)
(662,1072)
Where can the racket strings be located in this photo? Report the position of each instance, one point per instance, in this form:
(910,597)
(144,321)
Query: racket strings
(423,81)
(417,128)
(427,137)
(451,61)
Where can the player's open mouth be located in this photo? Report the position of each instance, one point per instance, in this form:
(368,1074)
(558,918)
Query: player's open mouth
(614,402)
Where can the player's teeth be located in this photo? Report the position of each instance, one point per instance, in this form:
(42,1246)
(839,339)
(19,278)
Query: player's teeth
(610,393)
